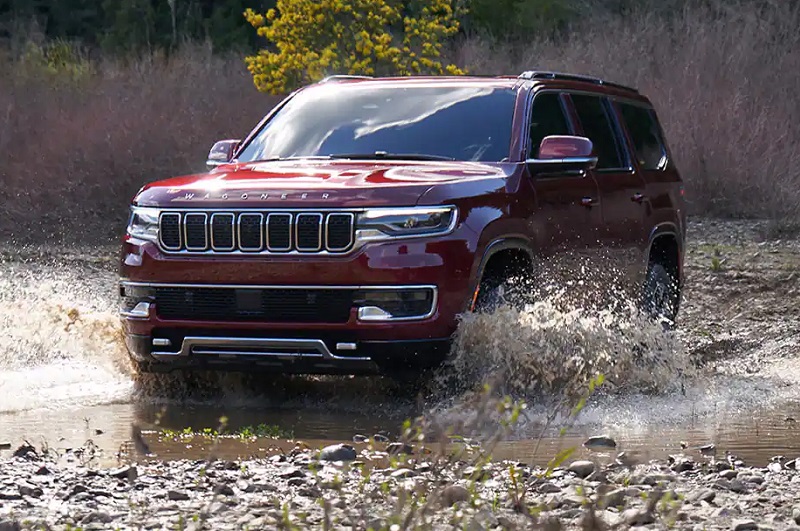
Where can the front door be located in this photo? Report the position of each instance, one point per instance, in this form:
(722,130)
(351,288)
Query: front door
(567,214)
(622,190)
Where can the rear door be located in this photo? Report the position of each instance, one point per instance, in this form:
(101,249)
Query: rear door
(567,216)
(623,235)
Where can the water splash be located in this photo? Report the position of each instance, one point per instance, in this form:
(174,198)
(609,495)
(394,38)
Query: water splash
(61,341)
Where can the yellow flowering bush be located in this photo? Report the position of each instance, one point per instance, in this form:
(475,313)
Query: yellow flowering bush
(311,39)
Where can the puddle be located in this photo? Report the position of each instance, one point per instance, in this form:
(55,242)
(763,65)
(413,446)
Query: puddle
(64,378)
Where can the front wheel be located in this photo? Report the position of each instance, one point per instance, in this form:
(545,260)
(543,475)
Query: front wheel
(661,296)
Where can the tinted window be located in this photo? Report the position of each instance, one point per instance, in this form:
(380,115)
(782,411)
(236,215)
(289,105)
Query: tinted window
(646,135)
(597,128)
(461,122)
(547,118)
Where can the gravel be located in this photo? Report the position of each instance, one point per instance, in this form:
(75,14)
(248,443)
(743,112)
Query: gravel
(309,490)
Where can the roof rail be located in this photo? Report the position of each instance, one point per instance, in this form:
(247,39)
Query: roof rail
(340,77)
(537,74)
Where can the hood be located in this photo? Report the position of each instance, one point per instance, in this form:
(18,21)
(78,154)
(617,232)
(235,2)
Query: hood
(307,183)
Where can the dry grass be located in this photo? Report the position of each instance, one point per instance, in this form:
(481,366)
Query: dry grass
(74,153)
(723,82)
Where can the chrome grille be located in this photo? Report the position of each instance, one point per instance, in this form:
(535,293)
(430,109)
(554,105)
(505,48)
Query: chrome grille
(256,232)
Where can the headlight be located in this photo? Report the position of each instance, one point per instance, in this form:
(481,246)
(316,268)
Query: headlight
(386,223)
(143,223)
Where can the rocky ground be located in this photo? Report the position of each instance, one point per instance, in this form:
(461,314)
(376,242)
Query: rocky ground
(740,315)
(388,488)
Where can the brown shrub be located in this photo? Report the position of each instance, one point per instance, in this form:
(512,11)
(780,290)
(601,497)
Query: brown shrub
(723,80)
(75,152)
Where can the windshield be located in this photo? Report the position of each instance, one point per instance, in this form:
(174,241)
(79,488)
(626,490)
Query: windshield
(456,122)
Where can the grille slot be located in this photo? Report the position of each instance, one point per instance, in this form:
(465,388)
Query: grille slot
(339,231)
(309,232)
(250,235)
(279,232)
(273,305)
(169,230)
(222,232)
(264,232)
(194,229)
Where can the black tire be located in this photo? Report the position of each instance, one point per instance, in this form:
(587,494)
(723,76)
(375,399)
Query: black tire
(494,293)
(661,295)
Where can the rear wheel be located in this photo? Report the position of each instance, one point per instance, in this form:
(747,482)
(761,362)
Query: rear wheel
(661,296)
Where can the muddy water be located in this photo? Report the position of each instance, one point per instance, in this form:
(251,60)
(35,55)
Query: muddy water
(729,376)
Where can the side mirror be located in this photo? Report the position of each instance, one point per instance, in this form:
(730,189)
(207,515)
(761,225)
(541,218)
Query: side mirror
(221,152)
(563,155)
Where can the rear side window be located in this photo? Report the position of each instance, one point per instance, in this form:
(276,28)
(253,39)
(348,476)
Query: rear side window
(645,132)
(598,128)
(547,119)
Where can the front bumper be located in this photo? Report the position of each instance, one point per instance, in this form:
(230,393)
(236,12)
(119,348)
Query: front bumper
(361,341)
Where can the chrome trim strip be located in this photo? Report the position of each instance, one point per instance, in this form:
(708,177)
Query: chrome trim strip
(180,221)
(327,231)
(260,231)
(233,231)
(272,286)
(297,218)
(138,314)
(205,231)
(279,249)
(315,345)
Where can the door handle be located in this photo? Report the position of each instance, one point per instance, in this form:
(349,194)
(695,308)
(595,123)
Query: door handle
(588,202)
(638,198)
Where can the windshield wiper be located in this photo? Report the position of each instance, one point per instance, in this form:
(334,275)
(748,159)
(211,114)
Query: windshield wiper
(385,155)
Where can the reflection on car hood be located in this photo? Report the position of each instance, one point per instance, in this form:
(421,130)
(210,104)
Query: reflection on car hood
(305,183)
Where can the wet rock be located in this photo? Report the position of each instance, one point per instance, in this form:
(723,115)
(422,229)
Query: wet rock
(223,490)
(453,494)
(396,448)
(43,471)
(655,479)
(380,438)
(403,473)
(9,525)
(774,467)
(600,442)
(126,472)
(682,465)
(549,488)
(615,498)
(636,517)
(744,525)
(729,474)
(758,479)
(245,486)
(177,495)
(338,452)
(26,489)
(737,486)
(97,517)
(796,514)
(10,495)
(360,438)
(291,472)
(26,451)
(703,495)
(297,482)
(581,468)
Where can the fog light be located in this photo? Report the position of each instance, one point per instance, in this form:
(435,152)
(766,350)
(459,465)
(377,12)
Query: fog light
(141,310)
(381,304)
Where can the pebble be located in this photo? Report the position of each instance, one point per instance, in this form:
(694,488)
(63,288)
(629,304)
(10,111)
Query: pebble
(729,474)
(360,439)
(744,525)
(5,445)
(399,448)
(453,494)
(600,442)
(581,468)
(402,473)
(338,452)
(176,495)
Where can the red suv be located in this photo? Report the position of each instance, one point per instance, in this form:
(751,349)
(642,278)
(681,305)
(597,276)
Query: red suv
(350,229)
